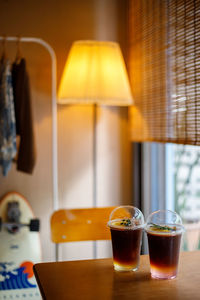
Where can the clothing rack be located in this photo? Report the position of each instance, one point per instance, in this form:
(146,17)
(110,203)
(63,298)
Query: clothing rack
(54,107)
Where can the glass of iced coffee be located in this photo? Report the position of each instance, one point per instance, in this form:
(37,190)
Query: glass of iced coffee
(126,226)
(164,231)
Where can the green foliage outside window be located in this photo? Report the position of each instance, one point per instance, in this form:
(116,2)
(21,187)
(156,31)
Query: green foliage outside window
(187,183)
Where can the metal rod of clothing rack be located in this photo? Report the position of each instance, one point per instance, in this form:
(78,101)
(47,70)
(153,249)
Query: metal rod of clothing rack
(54,108)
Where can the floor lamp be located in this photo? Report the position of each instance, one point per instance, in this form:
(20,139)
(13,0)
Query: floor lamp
(95,73)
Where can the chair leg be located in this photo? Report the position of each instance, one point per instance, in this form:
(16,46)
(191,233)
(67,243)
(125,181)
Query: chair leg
(57,252)
(94,250)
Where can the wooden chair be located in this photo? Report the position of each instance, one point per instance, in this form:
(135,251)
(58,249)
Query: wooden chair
(86,224)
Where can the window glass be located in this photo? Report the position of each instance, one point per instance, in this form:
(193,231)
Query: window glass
(171,180)
(186,177)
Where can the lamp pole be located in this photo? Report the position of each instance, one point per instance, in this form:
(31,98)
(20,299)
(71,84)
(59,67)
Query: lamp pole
(94,165)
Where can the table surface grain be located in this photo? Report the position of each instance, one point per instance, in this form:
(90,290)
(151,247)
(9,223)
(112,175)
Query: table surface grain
(96,279)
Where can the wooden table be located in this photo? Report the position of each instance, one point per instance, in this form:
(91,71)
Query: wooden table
(96,279)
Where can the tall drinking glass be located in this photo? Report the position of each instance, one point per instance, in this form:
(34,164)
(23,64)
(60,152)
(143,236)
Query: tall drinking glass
(164,231)
(126,225)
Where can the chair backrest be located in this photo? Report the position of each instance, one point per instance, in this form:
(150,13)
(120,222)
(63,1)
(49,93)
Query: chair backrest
(86,224)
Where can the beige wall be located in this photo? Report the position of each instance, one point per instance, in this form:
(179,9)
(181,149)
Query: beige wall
(60,23)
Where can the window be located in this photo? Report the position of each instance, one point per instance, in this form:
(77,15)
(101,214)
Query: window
(185,178)
(164,68)
(171,180)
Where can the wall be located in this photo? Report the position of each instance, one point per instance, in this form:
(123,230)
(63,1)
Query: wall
(60,23)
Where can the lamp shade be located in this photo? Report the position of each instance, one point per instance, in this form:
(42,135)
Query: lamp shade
(95,72)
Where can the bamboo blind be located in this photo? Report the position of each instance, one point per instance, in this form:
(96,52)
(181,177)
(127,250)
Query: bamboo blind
(164,68)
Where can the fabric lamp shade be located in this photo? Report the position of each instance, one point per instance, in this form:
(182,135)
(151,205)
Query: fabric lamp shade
(95,73)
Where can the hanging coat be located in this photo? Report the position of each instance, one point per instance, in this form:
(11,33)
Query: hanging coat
(24,121)
(7,118)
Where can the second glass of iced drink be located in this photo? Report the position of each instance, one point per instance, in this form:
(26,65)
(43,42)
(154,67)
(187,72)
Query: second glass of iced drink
(164,231)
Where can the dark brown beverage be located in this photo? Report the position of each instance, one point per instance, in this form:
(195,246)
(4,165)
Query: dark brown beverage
(126,243)
(164,247)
